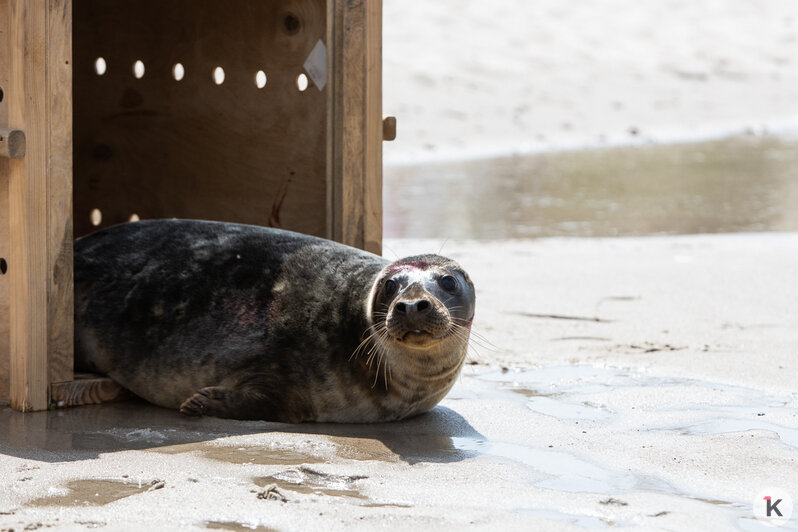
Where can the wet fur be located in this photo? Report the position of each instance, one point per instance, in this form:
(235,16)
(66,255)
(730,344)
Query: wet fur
(246,322)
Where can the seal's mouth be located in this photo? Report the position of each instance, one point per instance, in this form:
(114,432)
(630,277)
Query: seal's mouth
(421,336)
(417,334)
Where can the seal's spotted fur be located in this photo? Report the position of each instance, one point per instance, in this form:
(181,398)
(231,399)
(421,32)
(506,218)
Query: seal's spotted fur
(254,323)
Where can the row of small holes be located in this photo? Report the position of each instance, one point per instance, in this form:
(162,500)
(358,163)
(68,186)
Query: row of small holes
(96,217)
(179,72)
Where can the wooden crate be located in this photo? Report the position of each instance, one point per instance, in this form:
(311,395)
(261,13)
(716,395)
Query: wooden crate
(150,145)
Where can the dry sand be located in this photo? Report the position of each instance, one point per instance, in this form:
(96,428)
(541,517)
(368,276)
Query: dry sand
(467,78)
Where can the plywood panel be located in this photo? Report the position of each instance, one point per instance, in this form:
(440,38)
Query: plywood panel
(158,147)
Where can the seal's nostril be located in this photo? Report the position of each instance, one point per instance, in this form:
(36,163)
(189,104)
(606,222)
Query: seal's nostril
(401,307)
(422,305)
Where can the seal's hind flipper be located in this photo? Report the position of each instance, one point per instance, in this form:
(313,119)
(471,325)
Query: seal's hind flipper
(241,403)
(217,401)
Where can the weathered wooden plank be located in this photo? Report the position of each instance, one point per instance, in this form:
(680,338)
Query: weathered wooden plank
(86,390)
(352,67)
(355,123)
(372,128)
(59,191)
(27,262)
(4,245)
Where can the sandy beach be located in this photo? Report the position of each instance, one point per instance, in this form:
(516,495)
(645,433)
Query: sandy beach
(642,378)
(636,382)
(525,77)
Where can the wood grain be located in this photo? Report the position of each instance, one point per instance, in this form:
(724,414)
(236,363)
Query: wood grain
(160,148)
(86,390)
(372,129)
(59,191)
(27,262)
(355,123)
(157,147)
(4,244)
(346,121)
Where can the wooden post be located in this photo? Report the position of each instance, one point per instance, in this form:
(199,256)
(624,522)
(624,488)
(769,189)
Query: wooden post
(37,65)
(60,291)
(4,244)
(354,169)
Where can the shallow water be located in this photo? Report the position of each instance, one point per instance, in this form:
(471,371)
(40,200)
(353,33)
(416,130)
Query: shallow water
(94,492)
(233,525)
(244,455)
(739,184)
(576,392)
(308,481)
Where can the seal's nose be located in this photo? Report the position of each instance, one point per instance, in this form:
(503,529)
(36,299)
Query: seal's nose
(411,307)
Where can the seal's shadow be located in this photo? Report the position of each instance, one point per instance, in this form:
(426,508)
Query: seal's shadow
(84,433)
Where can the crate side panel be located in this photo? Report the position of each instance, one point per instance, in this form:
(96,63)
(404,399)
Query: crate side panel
(158,147)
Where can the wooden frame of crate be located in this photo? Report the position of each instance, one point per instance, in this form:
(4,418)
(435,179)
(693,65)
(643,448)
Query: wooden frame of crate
(114,110)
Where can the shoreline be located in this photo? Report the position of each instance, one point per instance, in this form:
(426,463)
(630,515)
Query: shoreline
(737,184)
(786,130)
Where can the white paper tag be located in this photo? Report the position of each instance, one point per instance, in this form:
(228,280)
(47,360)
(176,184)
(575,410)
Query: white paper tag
(316,65)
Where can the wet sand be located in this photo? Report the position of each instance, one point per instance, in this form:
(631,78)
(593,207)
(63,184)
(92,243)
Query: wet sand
(745,183)
(643,382)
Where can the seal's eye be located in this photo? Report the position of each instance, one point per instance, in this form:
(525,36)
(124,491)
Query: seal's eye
(390,287)
(448,283)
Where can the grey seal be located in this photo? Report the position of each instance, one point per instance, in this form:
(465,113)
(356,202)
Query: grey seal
(248,322)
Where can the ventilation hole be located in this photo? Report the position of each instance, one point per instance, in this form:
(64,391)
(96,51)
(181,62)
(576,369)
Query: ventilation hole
(291,23)
(100,66)
(218,75)
(3,266)
(178,72)
(138,69)
(1,94)
(301,82)
(96,217)
(260,79)
(134,218)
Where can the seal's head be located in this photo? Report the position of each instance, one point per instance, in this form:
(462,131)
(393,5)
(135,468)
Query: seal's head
(423,302)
